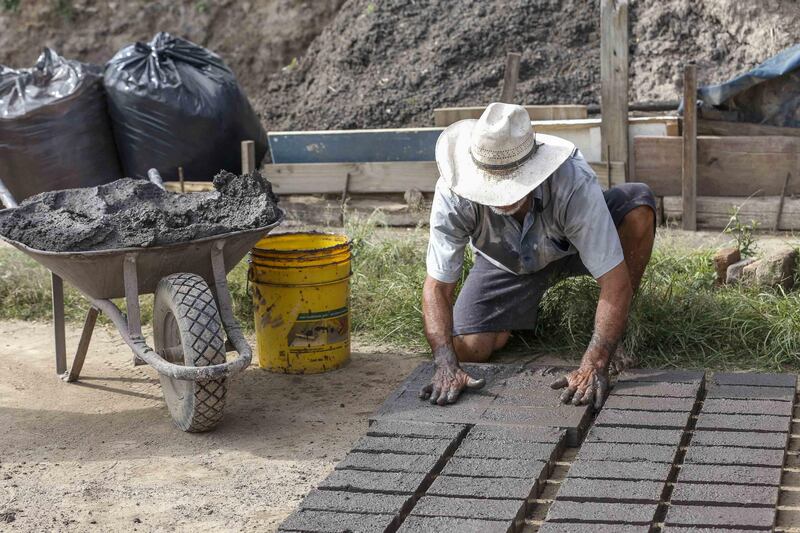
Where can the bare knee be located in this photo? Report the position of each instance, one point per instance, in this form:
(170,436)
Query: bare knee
(639,223)
(478,347)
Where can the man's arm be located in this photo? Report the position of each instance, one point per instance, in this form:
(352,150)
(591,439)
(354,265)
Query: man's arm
(437,310)
(589,382)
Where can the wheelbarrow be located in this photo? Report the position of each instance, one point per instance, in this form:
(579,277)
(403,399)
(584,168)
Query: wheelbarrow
(192,313)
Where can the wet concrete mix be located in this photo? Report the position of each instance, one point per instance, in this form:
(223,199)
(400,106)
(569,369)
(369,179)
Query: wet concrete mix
(133,213)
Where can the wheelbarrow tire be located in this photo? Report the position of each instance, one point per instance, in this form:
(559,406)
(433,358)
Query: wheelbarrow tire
(187,330)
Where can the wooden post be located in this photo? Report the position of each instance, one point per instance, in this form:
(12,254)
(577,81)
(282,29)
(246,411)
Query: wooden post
(248,157)
(689,165)
(510,78)
(614,80)
(180,177)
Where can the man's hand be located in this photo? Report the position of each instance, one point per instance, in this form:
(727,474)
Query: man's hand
(585,385)
(449,380)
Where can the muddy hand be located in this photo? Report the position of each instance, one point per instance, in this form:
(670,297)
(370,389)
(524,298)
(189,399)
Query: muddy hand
(448,380)
(583,386)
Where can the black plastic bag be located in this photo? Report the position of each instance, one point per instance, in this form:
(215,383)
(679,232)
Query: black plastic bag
(55,132)
(174,103)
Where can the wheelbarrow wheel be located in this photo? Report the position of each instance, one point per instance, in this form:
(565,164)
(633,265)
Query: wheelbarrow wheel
(187,330)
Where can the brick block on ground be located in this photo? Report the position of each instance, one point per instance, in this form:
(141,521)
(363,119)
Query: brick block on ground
(720,517)
(711,494)
(388,462)
(429,524)
(307,521)
(740,439)
(437,506)
(660,389)
(517,468)
(387,482)
(747,392)
(607,490)
(602,451)
(725,455)
(755,379)
(671,437)
(663,376)
(517,434)
(393,428)
(608,513)
(356,502)
(483,487)
(408,406)
(492,449)
(640,470)
(572,419)
(649,403)
(746,475)
(643,419)
(750,423)
(747,407)
(407,445)
(566,527)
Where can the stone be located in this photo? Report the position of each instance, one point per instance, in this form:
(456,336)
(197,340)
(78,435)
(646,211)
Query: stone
(438,506)
(407,445)
(483,487)
(608,513)
(393,428)
(517,468)
(736,270)
(602,451)
(744,422)
(747,407)
(610,490)
(662,376)
(724,258)
(490,449)
(755,379)
(388,462)
(642,419)
(556,527)
(431,524)
(635,470)
(649,403)
(720,517)
(708,494)
(671,437)
(777,269)
(740,439)
(356,502)
(307,521)
(745,392)
(388,482)
(517,434)
(726,455)
(746,475)
(660,389)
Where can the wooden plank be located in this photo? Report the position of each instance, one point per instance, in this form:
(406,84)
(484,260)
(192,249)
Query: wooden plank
(722,128)
(601,168)
(726,166)
(614,79)
(248,157)
(510,78)
(364,177)
(189,186)
(689,159)
(313,210)
(714,212)
(444,116)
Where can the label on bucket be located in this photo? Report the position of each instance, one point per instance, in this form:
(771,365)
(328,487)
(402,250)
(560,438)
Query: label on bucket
(313,332)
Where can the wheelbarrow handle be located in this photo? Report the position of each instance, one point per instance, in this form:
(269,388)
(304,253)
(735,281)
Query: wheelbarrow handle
(6,197)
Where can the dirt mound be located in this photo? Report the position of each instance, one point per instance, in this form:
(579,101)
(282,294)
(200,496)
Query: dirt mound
(136,213)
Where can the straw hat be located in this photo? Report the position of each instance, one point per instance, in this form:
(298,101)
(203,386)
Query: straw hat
(498,159)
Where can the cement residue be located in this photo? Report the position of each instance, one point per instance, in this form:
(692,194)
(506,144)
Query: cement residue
(136,213)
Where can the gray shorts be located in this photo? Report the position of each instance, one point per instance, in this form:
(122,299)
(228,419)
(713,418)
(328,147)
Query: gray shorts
(492,299)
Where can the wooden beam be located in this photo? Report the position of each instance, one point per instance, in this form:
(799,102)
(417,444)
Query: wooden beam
(364,177)
(723,127)
(614,79)
(510,78)
(689,160)
(602,168)
(305,210)
(714,212)
(444,116)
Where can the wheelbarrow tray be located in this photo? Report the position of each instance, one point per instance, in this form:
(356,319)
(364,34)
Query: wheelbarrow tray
(99,273)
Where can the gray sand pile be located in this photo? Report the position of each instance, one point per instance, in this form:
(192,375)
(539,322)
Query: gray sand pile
(136,213)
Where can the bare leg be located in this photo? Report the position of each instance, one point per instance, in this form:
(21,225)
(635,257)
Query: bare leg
(478,347)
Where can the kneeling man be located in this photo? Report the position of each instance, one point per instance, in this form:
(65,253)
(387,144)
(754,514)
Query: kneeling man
(531,208)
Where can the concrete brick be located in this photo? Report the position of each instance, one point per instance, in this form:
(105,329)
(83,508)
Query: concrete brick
(430,524)
(492,449)
(720,517)
(642,419)
(483,487)
(438,506)
(746,475)
(388,462)
(671,437)
(663,376)
(556,527)
(601,451)
(747,407)
(708,494)
(519,433)
(610,490)
(725,455)
(387,482)
(688,529)
(356,502)
(640,470)
(393,428)
(609,513)
(665,390)
(649,403)
(746,392)
(516,468)
(740,439)
(407,445)
(570,418)
(307,521)
(744,422)
(759,380)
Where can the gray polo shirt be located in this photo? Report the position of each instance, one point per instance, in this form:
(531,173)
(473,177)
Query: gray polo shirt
(568,216)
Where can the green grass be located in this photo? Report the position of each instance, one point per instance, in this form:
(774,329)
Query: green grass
(679,318)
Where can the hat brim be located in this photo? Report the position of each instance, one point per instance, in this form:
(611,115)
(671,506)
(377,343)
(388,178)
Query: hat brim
(469,181)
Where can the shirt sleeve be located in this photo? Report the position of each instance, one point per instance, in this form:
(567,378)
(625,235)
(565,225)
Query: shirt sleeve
(451,221)
(589,227)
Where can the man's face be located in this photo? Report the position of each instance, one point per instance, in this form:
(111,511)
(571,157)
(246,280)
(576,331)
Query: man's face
(509,210)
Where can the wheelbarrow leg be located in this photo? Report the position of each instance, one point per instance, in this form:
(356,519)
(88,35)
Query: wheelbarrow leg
(58,324)
(83,346)
(131,281)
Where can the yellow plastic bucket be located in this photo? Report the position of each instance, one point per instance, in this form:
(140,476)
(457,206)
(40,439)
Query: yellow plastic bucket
(300,283)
